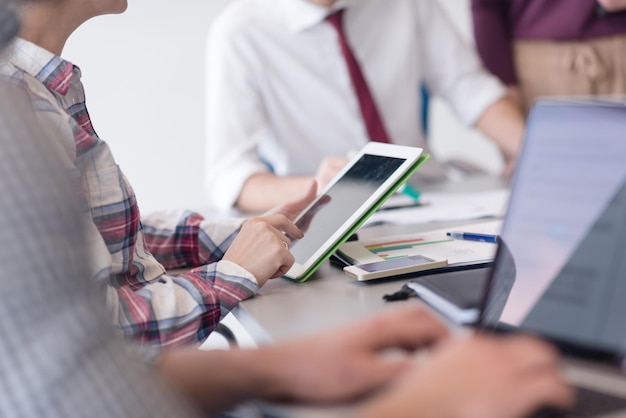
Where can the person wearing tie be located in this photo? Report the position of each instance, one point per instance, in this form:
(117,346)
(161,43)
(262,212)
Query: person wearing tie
(295,85)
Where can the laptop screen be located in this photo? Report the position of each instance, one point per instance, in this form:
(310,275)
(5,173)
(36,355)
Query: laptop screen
(561,270)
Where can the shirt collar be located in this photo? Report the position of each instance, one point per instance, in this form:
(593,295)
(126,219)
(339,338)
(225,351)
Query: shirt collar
(53,71)
(301,15)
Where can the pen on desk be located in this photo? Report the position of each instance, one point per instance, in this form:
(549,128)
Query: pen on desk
(471,236)
(410,191)
(401,206)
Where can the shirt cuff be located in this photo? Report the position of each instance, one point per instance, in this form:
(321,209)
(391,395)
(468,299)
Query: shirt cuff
(225,188)
(229,268)
(474,102)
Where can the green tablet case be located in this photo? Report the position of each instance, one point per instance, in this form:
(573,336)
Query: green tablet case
(307,274)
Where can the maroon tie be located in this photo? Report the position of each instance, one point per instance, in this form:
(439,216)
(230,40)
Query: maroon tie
(371,117)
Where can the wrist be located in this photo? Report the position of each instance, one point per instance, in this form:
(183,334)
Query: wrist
(275,375)
(284,374)
(405,400)
(217,380)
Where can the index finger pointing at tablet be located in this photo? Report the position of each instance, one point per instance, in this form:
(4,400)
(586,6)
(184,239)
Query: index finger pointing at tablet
(282,223)
(351,197)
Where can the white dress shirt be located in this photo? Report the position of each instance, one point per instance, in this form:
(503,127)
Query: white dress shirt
(280,97)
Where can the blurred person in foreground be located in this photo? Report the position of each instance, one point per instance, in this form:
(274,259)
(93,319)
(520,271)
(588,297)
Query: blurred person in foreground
(60,358)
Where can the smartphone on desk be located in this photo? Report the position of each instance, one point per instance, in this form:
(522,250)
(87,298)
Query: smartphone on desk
(393,267)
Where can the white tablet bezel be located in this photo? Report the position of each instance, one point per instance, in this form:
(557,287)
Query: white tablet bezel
(410,154)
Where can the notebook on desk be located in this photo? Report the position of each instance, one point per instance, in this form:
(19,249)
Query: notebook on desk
(435,244)
(561,270)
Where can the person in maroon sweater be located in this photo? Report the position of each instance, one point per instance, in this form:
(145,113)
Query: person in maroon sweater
(553,48)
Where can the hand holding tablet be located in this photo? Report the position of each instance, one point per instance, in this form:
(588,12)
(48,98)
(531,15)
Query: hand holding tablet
(348,200)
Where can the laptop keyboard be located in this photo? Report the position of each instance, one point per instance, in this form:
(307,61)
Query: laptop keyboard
(589,403)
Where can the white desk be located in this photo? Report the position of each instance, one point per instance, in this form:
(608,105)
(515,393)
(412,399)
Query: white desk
(285,310)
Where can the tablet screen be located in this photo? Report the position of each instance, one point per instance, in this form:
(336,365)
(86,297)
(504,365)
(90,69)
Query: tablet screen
(341,201)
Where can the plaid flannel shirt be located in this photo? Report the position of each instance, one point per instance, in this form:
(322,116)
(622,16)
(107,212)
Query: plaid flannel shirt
(129,253)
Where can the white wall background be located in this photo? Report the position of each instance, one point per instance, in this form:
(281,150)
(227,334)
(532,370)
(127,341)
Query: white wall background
(144,78)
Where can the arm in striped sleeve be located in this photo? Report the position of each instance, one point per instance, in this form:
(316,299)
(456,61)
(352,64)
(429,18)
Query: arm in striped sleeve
(186,239)
(181,309)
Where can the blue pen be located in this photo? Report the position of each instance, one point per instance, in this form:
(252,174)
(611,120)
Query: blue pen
(471,236)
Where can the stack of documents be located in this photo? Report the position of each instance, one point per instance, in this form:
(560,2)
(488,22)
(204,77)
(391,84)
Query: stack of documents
(401,210)
(433,244)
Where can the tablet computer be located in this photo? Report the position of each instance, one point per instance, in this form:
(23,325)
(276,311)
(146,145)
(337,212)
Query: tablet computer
(350,198)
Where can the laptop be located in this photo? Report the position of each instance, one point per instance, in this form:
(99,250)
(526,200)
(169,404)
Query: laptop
(560,271)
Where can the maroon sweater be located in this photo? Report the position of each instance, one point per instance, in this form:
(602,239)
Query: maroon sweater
(498,22)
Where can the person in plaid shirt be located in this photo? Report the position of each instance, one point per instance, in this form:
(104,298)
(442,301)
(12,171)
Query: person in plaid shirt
(230,259)
(60,358)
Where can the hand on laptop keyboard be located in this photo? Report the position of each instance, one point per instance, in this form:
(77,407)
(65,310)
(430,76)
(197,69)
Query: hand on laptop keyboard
(480,376)
(548,412)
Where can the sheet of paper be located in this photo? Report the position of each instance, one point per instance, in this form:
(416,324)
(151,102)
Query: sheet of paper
(443,207)
(434,244)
